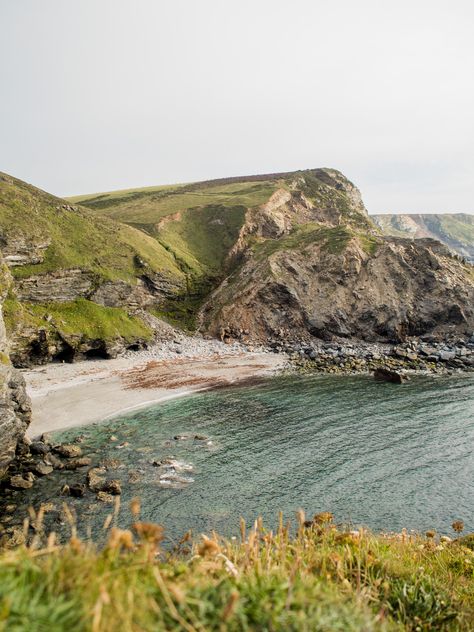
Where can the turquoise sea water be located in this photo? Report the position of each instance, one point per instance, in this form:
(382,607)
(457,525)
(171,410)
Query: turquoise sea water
(382,455)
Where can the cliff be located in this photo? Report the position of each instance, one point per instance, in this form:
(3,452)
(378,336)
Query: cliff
(15,410)
(284,255)
(454,230)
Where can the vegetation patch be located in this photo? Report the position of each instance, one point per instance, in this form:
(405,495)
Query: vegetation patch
(74,237)
(81,318)
(334,240)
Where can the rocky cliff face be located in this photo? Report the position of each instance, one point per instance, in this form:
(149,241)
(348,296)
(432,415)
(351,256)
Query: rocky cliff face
(318,271)
(454,230)
(15,410)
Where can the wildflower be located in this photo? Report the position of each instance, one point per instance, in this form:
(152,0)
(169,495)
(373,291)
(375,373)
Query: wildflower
(149,532)
(430,533)
(135,507)
(208,548)
(445,538)
(323,517)
(120,538)
(458,526)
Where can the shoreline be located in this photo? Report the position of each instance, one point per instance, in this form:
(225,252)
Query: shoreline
(91,391)
(65,396)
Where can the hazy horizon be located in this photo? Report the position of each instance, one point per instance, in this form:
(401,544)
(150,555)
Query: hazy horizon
(118,94)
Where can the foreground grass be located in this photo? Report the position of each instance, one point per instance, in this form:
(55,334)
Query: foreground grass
(318,578)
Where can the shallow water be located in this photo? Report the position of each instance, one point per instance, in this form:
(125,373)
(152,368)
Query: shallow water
(382,455)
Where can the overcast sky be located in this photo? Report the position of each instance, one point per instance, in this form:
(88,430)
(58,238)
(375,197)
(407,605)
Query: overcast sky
(104,94)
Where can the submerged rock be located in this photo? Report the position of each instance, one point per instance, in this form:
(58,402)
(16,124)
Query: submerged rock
(105,497)
(76,463)
(387,375)
(78,490)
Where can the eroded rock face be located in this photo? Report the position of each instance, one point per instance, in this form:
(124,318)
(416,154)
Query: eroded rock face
(15,408)
(342,286)
(60,286)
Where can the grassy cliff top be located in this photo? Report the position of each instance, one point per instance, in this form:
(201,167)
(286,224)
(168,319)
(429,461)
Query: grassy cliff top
(199,222)
(315,577)
(148,205)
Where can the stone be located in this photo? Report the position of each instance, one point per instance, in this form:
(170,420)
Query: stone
(39,447)
(445,356)
(55,461)
(42,469)
(13,538)
(18,482)
(95,478)
(105,497)
(68,450)
(386,375)
(78,462)
(112,486)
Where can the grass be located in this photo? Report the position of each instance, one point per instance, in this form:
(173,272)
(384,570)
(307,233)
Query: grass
(315,577)
(202,239)
(144,207)
(80,318)
(77,238)
(333,240)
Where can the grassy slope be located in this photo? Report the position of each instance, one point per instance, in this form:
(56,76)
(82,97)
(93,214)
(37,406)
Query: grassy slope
(319,579)
(78,238)
(197,223)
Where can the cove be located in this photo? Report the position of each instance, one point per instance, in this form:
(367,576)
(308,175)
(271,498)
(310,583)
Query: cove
(381,455)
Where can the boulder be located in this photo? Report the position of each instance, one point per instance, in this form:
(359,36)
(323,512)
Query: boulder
(387,375)
(68,450)
(18,482)
(74,464)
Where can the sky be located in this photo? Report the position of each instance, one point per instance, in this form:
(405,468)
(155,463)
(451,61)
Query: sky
(97,95)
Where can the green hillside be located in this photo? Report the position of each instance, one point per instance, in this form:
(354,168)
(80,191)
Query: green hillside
(76,237)
(199,222)
(41,237)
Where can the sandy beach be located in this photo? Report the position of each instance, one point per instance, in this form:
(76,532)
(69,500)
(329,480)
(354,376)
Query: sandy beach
(68,395)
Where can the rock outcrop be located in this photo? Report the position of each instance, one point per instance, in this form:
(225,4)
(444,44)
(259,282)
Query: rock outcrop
(15,409)
(324,274)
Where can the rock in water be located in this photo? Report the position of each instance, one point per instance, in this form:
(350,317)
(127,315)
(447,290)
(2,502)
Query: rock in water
(18,482)
(387,375)
(67,450)
(78,490)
